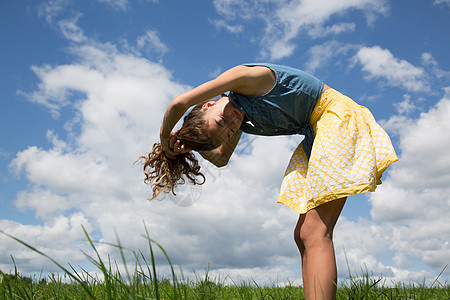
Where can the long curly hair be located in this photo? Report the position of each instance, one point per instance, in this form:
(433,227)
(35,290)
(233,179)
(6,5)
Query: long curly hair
(163,173)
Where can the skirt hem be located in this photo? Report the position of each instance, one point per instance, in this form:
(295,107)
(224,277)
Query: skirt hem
(345,192)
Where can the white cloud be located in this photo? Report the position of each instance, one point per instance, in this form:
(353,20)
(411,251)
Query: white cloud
(233,12)
(359,244)
(71,30)
(286,20)
(322,55)
(116,4)
(225,25)
(150,42)
(381,63)
(51,9)
(406,106)
(121,4)
(429,61)
(334,29)
(306,15)
(236,9)
(43,202)
(443,2)
(414,198)
(279,49)
(55,238)
(215,73)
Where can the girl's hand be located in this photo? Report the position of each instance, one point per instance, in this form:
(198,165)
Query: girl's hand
(173,146)
(167,147)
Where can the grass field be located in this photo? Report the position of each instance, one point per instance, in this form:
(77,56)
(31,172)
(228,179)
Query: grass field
(143,283)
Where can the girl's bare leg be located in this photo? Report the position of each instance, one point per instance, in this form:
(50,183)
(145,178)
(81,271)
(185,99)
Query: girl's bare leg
(301,248)
(314,238)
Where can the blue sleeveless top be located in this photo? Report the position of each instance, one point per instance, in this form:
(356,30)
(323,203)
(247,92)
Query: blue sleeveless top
(286,109)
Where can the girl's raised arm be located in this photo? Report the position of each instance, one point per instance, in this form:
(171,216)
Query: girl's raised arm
(241,79)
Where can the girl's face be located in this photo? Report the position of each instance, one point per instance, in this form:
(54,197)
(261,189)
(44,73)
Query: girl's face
(223,119)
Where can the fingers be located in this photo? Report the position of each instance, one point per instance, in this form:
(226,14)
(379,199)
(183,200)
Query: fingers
(184,149)
(167,147)
(175,146)
(173,139)
(180,147)
(174,143)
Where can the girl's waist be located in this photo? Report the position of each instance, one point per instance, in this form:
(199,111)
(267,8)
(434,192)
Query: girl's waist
(324,101)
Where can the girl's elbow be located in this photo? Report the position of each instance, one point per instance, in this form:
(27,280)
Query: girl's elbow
(221,164)
(179,102)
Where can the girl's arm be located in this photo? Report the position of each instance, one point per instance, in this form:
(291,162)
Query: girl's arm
(221,155)
(245,80)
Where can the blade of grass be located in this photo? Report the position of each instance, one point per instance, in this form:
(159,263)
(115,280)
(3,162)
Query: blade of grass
(436,280)
(122,255)
(100,265)
(148,270)
(155,280)
(19,283)
(174,277)
(6,281)
(84,285)
(85,272)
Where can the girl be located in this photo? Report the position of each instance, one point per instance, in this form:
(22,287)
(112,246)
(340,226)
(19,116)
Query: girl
(344,151)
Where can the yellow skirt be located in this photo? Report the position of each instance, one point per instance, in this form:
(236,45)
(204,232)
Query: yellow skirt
(350,153)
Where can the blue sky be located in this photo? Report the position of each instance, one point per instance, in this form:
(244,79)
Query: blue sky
(84,85)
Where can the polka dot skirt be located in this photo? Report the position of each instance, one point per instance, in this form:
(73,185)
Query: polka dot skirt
(349,155)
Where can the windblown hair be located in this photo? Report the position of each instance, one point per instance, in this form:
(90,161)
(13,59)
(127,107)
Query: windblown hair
(162,173)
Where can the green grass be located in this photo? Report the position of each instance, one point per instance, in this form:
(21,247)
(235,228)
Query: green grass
(143,283)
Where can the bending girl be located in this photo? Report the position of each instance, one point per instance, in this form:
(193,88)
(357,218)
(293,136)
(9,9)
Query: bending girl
(344,151)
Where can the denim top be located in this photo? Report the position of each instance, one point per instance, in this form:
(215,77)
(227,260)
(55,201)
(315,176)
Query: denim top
(286,109)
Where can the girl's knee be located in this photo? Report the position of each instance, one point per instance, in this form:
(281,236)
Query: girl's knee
(297,238)
(297,230)
(312,234)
